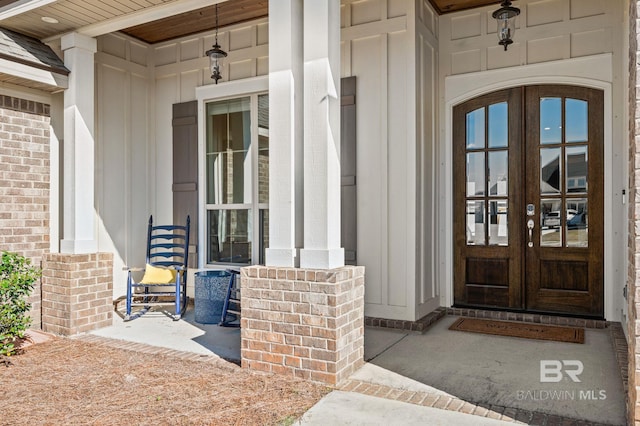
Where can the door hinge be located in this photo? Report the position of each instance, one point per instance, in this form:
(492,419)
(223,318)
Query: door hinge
(625,291)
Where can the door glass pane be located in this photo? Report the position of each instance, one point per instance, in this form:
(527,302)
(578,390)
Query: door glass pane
(498,172)
(475,223)
(576,121)
(475,129)
(475,174)
(550,120)
(228,156)
(577,223)
(498,230)
(577,167)
(550,171)
(264,234)
(230,236)
(263,149)
(551,223)
(498,125)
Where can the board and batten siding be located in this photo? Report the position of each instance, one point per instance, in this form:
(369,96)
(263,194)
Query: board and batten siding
(426,64)
(552,42)
(389,45)
(125,151)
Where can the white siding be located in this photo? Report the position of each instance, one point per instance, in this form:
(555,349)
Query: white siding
(427,296)
(547,30)
(180,67)
(391,48)
(389,45)
(124,149)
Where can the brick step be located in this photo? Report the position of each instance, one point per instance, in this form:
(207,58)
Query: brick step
(449,403)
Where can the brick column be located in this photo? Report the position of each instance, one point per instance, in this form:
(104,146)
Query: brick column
(633,307)
(77,292)
(24,184)
(303,323)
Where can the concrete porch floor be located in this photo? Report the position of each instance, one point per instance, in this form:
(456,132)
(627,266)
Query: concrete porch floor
(486,371)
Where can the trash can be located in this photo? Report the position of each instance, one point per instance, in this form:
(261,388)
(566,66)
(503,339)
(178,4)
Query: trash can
(210,292)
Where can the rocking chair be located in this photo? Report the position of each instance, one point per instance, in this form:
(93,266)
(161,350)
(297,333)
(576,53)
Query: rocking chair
(166,266)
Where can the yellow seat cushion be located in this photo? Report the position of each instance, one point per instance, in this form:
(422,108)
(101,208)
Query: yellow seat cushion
(158,275)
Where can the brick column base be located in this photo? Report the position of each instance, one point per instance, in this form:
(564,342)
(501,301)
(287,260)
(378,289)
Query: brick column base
(303,323)
(77,292)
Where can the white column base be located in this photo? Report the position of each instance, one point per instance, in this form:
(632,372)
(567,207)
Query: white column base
(322,259)
(285,258)
(78,246)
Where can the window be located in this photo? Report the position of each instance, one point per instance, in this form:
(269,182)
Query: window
(237,179)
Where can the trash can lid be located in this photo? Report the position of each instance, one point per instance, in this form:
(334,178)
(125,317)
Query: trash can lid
(212,273)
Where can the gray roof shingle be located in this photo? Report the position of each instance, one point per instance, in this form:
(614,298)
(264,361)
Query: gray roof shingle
(30,51)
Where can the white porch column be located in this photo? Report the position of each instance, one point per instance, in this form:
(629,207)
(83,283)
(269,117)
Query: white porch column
(285,131)
(321,136)
(79,215)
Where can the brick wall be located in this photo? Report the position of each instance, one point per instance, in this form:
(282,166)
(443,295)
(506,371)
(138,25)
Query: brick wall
(24,183)
(633,322)
(303,323)
(77,292)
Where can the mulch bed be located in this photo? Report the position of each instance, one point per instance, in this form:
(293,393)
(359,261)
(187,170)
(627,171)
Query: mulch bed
(70,382)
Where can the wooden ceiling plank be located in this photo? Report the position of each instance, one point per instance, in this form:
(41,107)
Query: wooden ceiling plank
(199,20)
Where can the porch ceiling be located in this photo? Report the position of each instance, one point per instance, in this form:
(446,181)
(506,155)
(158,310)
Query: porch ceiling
(448,6)
(149,20)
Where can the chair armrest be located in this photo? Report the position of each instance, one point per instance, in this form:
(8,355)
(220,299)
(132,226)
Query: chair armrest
(133,269)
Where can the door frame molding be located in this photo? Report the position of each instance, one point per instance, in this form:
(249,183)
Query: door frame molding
(594,72)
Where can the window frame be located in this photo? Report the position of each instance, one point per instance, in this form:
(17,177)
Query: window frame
(252,88)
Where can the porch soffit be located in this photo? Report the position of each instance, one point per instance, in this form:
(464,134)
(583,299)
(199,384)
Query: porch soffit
(151,21)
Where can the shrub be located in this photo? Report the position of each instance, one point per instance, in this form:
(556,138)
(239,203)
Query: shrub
(17,278)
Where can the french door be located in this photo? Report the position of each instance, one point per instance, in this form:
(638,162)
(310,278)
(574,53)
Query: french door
(528,200)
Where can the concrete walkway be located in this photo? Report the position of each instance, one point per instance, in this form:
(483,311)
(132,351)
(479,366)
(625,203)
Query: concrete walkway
(441,377)
(349,408)
(505,371)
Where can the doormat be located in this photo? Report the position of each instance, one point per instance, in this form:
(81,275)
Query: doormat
(520,329)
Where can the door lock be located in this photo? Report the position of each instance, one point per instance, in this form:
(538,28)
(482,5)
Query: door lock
(530,225)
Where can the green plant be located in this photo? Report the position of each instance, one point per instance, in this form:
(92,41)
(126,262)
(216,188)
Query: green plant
(17,279)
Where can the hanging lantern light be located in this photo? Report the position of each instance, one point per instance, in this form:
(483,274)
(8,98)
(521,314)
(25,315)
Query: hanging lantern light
(216,55)
(506,20)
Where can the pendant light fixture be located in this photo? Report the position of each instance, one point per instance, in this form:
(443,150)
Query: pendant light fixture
(216,55)
(506,19)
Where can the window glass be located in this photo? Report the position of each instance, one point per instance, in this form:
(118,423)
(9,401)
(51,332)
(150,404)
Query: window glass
(229,177)
(229,236)
(475,129)
(475,223)
(577,227)
(498,229)
(576,120)
(551,222)
(498,173)
(475,174)
(577,168)
(550,120)
(550,170)
(498,125)
(237,179)
(263,148)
